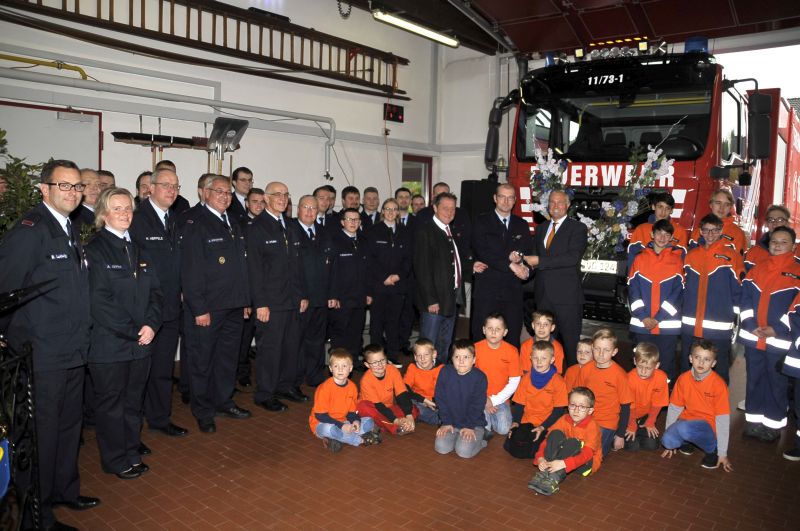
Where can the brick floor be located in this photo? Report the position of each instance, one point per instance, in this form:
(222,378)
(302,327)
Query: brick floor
(269,472)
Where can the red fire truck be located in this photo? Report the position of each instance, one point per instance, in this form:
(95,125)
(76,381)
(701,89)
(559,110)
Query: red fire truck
(595,113)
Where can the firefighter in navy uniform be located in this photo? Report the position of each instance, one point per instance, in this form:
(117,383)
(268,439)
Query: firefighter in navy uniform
(315,248)
(126,304)
(277,290)
(44,246)
(347,299)
(389,265)
(495,235)
(153,231)
(216,298)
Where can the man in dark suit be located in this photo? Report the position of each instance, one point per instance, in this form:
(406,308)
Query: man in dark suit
(242,183)
(461,224)
(153,231)
(559,245)
(181,204)
(327,217)
(277,290)
(496,288)
(216,299)
(83,216)
(408,220)
(44,246)
(315,249)
(439,265)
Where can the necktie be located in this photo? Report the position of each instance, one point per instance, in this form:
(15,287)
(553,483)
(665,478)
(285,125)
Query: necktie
(70,234)
(310,234)
(551,235)
(225,221)
(283,224)
(166,221)
(505,223)
(456,260)
(403,221)
(321,220)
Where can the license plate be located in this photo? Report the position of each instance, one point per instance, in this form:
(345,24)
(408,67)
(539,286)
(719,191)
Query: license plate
(599,266)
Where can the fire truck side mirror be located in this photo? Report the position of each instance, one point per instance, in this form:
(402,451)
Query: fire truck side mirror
(493,137)
(759,124)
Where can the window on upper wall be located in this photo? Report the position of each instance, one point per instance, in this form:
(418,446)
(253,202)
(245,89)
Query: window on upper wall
(417,170)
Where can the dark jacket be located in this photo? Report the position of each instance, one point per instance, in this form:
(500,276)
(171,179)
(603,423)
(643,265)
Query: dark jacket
(348,270)
(315,257)
(125,296)
(157,246)
(82,216)
(461,398)
(55,318)
(434,270)
(558,277)
(236,212)
(213,266)
(273,263)
(492,244)
(388,253)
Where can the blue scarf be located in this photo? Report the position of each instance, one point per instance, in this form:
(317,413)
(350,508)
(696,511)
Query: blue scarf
(539,379)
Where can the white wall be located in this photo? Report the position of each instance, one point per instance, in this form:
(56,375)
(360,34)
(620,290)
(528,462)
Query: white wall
(449,124)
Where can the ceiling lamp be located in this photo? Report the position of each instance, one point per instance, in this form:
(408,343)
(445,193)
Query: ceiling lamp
(407,25)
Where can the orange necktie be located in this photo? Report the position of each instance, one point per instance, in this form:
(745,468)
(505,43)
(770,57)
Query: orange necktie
(551,236)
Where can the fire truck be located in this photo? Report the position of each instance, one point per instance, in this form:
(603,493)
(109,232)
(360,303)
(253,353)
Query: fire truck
(595,112)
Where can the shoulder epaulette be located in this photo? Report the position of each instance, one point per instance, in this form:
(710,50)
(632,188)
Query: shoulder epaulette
(723,257)
(30,219)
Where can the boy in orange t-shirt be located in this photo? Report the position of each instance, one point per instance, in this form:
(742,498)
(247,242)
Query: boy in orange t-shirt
(333,417)
(609,383)
(384,396)
(699,411)
(573,444)
(584,356)
(500,362)
(421,379)
(543,324)
(649,387)
(540,400)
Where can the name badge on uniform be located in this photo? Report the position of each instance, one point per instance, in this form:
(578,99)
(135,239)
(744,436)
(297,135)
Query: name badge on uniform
(381,241)
(221,260)
(113,266)
(790,275)
(269,242)
(215,240)
(60,256)
(722,257)
(154,238)
(343,255)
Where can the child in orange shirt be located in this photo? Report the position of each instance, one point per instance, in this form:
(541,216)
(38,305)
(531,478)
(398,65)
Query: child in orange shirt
(573,444)
(333,417)
(609,383)
(540,400)
(650,392)
(384,396)
(699,411)
(584,356)
(421,381)
(543,324)
(499,361)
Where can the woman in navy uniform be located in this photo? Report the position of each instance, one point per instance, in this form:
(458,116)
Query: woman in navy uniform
(389,262)
(126,305)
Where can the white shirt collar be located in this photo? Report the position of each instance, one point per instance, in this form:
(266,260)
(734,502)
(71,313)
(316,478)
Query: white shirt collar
(306,227)
(219,216)
(90,207)
(501,217)
(62,220)
(124,235)
(277,218)
(160,213)
(440,224)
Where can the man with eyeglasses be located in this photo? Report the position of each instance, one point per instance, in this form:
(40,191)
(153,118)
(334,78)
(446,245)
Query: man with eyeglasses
(278,295)
(777,216)
(497,289)
(348,300)
(721,205)
(44,246)
(713,272)
(242,183)
(153,231)
(181,204)
(216,299)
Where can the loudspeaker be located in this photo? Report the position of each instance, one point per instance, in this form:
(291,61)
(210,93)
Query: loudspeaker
(477,197)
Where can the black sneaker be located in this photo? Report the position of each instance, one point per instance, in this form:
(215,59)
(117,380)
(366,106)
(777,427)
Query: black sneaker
(686,449)
(544,483)
(487,434)
(332,445)
(752,431)
(710,461)
(769,435)
(792,455)
(372,437)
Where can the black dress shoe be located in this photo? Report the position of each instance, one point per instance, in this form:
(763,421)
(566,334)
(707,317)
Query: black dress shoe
(171,430)
(245,381)
(207,425)
(185,398)
(81,503)
(131,473)
(235,412)
(273,404)
(144,450)
(141,468)
(293,396)
(59,526)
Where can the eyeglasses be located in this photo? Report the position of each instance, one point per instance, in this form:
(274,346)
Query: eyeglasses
(389,209)
(377,363)
(715,230)
(168,186)
(221,192)
(777,220)
(281,194)
(578,407)
(352,220)
(310,208)
(66,187)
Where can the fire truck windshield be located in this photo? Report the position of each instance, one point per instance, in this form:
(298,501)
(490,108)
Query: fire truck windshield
(604,112)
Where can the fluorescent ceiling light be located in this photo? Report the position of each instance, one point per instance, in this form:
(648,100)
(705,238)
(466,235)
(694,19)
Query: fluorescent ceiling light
(414,28)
